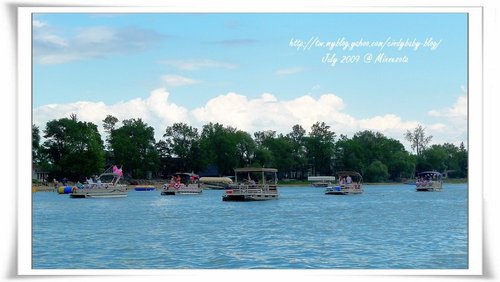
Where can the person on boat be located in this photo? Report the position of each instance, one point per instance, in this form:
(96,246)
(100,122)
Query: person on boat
(342,180)
(192,178)
(348,179)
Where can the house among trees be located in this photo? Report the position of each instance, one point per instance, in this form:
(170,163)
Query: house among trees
(39,174)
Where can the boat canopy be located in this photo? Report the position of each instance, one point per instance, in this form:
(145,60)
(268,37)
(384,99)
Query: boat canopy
(185,173)
(261,174)
(430,173)
(321,178)
(255,169)
(356,175)
(207,179)
(351,173)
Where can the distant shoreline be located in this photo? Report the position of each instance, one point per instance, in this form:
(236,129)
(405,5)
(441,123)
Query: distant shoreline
(446,181)
(158,184)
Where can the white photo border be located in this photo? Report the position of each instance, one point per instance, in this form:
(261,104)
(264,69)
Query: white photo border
(475,130)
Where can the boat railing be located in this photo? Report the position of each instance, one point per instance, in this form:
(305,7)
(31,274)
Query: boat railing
(254,188)
(353,185)
(429,183)
(182,186)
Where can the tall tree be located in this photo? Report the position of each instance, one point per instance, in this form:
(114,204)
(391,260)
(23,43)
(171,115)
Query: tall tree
(373,153)
(320,148)
(418,139)
(297,137)
(218,147)
(183,141)
(74,148)
(35,143)
(165,164)
(463,160)
(109,124)
(263,137)
(133,146)
(245,148)
(446,158)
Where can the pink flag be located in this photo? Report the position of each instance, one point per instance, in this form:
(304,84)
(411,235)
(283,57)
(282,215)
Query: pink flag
(117,171)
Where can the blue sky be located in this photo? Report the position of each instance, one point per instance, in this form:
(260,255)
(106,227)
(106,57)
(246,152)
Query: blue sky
(242,69)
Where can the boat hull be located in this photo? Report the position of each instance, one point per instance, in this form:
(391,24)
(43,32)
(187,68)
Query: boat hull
(429,189)
(173,192)
(344,190)
(145,188)
(99,194)
(248,198)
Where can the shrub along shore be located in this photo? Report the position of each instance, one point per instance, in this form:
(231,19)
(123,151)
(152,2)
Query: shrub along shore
(75,150)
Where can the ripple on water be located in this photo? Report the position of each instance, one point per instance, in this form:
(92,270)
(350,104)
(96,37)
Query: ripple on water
(387,227)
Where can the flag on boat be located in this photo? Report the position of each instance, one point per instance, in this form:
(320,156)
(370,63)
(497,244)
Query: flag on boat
(117,171)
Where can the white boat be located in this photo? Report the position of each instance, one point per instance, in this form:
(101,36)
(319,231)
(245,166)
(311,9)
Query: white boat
(105,186)
(220,183)
(321,181)
(429,181)
(183,184)
(350,182)
(253,184)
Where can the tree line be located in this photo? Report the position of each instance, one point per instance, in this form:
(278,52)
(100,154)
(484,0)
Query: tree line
(75,150)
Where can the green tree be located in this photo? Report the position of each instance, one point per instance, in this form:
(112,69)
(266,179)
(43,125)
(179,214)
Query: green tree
(245,148)
(74,148)
(401,166)
(35,143)
(282,149)
(109,124)
(446,158)
(165,164)
(350,155)
(182,141)
(367,147)
(418,139)
(463,161)
(434,158)
(320,149)
(262,138)
(297,137)
(133,146)
(218,147)
(376,172)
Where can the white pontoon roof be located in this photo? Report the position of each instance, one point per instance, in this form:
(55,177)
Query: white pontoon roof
(255,169)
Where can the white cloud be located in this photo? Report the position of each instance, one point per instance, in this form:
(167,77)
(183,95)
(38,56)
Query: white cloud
(457,111)
(452,126)
(155,110)
(196,64)
(49,47)
(249,114)
(267,112)
(38,24)
(386,123)
(288,71)
(178,80)
(96,35)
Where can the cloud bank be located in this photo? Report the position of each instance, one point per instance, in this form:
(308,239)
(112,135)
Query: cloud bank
(265,112)
(51,46)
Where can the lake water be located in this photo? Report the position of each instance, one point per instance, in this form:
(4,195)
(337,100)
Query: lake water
(386,227)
